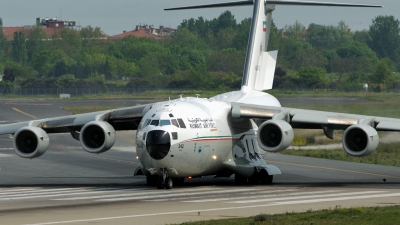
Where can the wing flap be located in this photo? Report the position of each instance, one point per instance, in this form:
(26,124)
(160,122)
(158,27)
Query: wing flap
(312,119)
(309,117)
(388,125)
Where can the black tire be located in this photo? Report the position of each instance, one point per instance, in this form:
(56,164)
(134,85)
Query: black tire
(270,179)
(169,183)
(160,183)
(179,181)
(240,180)
(151,180)
(265,178)
(254,179)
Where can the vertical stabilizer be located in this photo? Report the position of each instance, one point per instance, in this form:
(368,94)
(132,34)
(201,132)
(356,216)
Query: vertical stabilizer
(259,69)
(257,55)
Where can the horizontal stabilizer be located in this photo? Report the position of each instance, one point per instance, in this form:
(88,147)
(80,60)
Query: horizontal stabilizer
(276,2)
(313,3)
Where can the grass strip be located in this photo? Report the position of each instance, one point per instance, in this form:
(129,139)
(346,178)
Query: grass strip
(338,215)
(86,109)
(387,154)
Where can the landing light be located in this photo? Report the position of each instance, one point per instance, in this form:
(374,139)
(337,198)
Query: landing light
(189,177)
(214,157)
(137,157)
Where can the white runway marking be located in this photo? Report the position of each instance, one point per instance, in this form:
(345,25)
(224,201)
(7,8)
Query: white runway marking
(13,190)
(260,196)
(134,194)
(220,209)
(308,196)
(174,195)
(33,191)
(58,193)
(246,195)
(5,155)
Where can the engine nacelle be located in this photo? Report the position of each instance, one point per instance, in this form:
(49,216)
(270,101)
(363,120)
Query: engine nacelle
(97,136)
(360,140)
(275,135)
(30,142)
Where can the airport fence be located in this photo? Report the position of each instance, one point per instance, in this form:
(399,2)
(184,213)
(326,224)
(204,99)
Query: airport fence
(128,91)
(76,91)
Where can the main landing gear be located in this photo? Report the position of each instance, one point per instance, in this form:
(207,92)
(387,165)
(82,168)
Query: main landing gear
(164,181)
(261,177)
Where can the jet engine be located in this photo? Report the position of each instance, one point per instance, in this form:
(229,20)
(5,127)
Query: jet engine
(360,140)
(97,136)
(30,142)
(275,135)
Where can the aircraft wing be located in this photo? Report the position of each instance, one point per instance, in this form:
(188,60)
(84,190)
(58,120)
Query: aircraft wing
(312,119)
(121,119)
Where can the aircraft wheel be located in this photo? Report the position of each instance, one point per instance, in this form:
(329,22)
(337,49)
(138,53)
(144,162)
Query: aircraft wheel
(239,179)
(270,179)
(178,181)
(267,179)
(169,183)
(151,180)
(254,179)
(160,183)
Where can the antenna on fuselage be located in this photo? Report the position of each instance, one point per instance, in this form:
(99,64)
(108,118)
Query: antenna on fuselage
(197,95)
(181,96)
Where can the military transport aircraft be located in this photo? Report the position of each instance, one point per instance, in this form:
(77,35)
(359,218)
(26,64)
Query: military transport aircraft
(222,135)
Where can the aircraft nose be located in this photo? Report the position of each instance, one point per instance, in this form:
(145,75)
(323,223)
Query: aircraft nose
(158,143)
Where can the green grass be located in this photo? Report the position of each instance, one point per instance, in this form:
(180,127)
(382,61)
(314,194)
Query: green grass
(338,215)
(387,105)
(86,109)
(159,94)
(387,154)
(380,104)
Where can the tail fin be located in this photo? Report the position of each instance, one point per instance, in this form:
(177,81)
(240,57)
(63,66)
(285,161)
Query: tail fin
(260,65)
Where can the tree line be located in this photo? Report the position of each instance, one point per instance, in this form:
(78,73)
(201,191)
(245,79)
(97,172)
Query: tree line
(202,54)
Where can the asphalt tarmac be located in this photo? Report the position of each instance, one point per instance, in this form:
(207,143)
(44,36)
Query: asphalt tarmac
(70,186)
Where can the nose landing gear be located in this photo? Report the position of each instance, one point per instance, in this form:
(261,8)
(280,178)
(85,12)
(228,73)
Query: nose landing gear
(164,181)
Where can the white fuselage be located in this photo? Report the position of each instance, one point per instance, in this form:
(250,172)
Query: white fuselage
(208,141)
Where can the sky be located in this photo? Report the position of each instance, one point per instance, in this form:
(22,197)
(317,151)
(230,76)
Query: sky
(113,17)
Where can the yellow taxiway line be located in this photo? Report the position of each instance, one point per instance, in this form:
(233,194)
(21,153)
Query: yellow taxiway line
(26,114)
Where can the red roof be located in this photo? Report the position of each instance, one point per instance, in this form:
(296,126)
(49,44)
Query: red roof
(149,32)
(137,33)
(9,31)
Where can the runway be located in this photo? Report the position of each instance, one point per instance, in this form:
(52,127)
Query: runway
(69,186)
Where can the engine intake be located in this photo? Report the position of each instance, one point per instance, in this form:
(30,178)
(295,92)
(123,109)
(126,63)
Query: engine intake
(97,136)
(275,135)
(30,142)
(360,140)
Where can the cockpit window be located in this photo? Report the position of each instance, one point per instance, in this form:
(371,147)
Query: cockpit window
(147,123)
(171,115)
(175,123)
(165,122)
(174,135)
(140,125)
(181,123)
(154,122)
